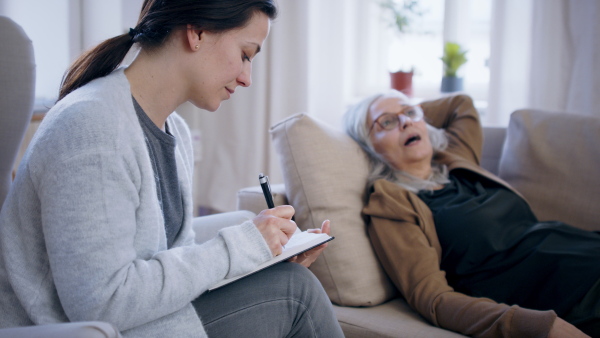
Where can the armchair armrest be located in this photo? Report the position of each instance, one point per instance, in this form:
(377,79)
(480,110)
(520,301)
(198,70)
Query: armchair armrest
(207,227)
(252,198)
(63,330)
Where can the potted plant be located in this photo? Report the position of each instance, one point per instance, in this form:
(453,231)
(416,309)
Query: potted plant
(454,57)
(401,13)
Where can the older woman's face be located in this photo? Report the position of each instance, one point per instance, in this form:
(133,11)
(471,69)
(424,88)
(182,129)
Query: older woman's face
(406,147)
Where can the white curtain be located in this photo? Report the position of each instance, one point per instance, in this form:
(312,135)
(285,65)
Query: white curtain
(566,35)
(544,55)
(510,54)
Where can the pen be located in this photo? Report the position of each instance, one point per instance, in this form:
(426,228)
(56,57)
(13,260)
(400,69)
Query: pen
(266,188)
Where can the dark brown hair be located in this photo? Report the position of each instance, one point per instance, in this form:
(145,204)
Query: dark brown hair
(158,18)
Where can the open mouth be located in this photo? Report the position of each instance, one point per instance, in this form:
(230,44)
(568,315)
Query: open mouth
(412,139)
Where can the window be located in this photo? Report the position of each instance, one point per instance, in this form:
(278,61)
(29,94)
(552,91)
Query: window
(463,21)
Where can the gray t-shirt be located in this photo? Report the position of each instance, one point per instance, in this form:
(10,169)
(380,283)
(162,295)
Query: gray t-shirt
(161,146)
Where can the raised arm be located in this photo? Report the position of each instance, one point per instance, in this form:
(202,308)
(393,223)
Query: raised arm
(459,118)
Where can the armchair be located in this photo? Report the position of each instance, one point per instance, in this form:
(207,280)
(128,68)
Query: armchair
(17,88)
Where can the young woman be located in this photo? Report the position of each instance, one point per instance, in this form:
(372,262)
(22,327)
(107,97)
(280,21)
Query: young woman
(459,243)
(98,224)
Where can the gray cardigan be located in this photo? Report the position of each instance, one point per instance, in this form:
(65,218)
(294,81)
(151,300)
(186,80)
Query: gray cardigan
(82,234)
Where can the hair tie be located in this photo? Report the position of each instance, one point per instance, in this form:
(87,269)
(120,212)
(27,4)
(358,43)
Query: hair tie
(133,32)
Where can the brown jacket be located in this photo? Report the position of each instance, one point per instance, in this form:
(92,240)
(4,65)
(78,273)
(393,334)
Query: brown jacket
(403,234)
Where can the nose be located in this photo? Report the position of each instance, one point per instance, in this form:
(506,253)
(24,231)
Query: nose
(405,121)
(245,77)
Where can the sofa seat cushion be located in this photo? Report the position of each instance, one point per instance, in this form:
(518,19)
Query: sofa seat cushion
(553,159)
(392,319)
(325,175)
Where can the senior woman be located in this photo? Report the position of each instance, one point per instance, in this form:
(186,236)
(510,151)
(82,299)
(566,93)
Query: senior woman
(461,245)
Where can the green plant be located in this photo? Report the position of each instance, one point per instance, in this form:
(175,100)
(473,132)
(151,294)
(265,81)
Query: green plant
(454,57)
(402,12)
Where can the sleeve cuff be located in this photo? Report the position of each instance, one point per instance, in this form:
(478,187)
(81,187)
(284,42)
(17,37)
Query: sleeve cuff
(532,323)
(246,247)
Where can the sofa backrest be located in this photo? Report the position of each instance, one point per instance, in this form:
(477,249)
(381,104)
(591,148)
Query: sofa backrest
(493,142)
(553,159)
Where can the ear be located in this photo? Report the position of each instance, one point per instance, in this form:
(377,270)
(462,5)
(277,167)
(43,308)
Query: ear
(194,37)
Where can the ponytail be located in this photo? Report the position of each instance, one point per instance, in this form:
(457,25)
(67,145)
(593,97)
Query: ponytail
(97,62)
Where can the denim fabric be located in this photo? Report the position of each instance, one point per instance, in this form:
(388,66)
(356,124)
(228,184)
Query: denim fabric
(285,300)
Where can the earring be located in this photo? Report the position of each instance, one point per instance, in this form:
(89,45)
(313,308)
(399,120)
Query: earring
(196,47)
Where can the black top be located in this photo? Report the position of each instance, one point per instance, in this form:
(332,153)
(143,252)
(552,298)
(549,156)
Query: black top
(493,246)
(161,146)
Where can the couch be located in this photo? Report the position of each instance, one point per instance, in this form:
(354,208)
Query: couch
(552,158)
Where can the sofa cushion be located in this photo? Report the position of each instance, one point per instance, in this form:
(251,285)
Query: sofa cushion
(325,174)
(394,319)
(553,159)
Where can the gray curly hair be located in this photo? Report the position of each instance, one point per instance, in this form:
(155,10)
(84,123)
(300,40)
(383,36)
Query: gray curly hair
(355,123)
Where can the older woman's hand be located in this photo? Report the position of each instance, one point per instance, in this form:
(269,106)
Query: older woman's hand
(308,257)
(561,329)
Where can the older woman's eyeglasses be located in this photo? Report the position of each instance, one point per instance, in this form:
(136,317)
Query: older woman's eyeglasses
(389,121)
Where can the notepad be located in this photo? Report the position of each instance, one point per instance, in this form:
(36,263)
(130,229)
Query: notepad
(300,242)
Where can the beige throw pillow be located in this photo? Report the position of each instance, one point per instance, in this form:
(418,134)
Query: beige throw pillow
(553,159)
(325,174)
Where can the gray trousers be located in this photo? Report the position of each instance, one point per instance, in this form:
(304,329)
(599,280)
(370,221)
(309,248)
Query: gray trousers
(285,300)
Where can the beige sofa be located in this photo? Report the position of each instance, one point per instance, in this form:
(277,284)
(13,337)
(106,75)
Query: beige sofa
(551,158)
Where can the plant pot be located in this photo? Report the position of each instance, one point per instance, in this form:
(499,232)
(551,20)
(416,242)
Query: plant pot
(402,81)
(451,84)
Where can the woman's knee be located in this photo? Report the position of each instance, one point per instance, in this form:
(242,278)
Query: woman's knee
(299,276)
(303,286)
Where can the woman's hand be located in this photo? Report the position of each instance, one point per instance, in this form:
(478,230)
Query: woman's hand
(276,226)
(308,257)
(561,328)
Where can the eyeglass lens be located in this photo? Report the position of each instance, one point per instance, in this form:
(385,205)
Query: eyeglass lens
(389,121)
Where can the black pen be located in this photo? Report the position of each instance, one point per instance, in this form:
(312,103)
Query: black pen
(266,188)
